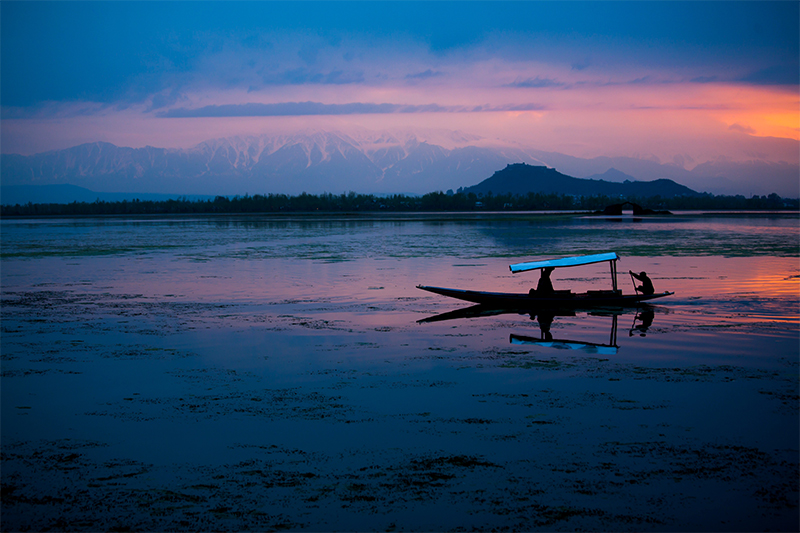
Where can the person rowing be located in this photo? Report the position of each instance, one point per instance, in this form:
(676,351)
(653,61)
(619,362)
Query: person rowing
(647,284)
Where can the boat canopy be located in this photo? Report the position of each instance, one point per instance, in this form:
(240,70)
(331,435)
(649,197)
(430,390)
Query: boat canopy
(564,262)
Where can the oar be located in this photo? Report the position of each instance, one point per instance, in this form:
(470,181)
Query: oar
(634,283)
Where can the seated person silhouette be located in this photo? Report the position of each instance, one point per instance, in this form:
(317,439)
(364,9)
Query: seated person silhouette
(647,284)
(545,286)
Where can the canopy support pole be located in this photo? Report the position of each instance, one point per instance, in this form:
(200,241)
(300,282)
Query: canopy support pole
(613,340)
(614,274)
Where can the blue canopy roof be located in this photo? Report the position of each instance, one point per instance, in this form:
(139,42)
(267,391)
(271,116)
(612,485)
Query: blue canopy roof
(564,262)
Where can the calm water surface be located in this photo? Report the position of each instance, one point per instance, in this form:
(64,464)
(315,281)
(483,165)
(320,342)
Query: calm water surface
(253,373)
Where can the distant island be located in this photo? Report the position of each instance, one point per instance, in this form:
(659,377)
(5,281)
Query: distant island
(521,178)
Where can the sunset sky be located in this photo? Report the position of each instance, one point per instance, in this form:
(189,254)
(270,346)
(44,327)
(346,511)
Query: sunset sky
(684,82)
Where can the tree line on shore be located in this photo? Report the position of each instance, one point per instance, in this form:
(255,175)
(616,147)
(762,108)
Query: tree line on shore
(352,202)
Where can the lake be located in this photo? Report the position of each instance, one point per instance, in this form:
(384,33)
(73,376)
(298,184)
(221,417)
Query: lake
(267,372)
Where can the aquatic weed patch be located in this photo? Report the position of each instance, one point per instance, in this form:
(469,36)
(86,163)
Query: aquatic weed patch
(107,312)
(224,402)
(532,363)
(769,476)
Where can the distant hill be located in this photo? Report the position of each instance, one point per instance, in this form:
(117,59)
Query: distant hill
(521,178)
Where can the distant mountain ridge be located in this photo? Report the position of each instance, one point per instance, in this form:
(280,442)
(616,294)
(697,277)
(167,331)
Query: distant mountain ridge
(379,162)
(311,162)
(520,178)
(612,174)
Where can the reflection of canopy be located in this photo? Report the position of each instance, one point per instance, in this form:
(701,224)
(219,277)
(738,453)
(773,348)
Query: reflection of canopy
(564,262)
(588,347)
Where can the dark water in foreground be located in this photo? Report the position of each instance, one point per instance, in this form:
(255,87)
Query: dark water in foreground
(238,373)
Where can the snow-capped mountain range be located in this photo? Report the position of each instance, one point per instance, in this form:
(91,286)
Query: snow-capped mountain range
(310,161)
(332,161)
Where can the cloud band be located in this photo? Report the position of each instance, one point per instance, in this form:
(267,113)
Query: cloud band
(291,109)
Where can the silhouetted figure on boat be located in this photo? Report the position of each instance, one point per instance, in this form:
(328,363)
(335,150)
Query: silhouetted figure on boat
(647,284)
(545,286)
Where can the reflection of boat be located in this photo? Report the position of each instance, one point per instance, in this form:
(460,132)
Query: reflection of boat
(589,347)
(484,310)
(589,299)
(545,319)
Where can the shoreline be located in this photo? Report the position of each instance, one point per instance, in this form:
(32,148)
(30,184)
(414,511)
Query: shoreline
(387,215)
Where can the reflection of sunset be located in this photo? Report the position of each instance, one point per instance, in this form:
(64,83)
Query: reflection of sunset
(763,277)
(769,285)
(736,283)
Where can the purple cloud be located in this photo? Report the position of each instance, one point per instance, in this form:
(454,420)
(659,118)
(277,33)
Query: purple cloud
(288,109)
(704,79)
(424,75)
(643,80)
(161,100)
(581,65)
(742,129)
(535,83)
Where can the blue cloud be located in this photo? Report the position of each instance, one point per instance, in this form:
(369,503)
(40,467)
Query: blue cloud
(162,100)
(111,51)
(303,76)
(774,75)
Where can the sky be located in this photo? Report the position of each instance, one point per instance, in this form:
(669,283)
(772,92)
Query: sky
(682,82)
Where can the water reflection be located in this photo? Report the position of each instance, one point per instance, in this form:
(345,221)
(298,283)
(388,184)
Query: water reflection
(546,339)
(645,316)
(641,322)
(465,235)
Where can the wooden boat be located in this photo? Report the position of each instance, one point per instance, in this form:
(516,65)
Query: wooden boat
(559,299)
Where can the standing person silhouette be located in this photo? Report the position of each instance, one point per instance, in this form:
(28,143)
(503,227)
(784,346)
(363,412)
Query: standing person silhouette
(647,284)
